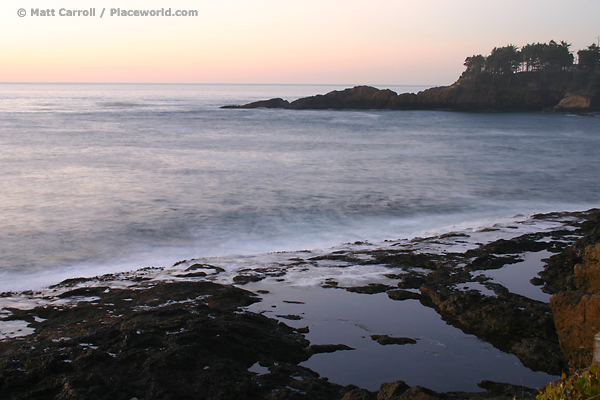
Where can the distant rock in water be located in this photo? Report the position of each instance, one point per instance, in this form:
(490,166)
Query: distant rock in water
(524,91)
(272,103)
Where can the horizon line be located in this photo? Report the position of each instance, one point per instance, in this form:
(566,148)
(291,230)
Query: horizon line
(213,83)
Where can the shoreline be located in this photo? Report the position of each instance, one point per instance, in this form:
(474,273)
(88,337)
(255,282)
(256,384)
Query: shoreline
(445,274)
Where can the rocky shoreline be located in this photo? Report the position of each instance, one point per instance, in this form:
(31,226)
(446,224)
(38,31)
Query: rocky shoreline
(143,336)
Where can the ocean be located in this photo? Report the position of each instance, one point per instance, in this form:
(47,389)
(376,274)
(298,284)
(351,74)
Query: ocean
(100,178)
(106,178)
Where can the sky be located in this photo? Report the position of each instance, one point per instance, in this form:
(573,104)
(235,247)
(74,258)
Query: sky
(375,42)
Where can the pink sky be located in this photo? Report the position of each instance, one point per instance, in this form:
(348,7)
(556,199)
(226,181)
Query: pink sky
(267,41)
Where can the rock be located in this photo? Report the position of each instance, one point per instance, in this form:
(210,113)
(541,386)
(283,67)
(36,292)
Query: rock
(372,288)
(577,320)
(559,273)
(359,394)
(587,274)
(508,390)
(244,279)
(402,295)
(271,103)
(573,102)
(182,340)
(419,393)
(524,91)
(358,97)
(385,340)
(509,322)
(390,391)
(290,317)
(327,348)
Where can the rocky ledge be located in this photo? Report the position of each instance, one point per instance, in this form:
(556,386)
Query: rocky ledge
(567,91)
(186,340)
(195,339)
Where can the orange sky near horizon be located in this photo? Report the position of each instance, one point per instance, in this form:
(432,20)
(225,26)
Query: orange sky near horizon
(267,41)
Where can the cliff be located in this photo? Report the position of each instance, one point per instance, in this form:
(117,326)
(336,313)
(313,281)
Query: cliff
(524,91)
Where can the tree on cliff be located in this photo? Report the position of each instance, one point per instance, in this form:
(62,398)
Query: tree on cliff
(475,65)
(557,56)
(503,60)
(533,54)
(590,58)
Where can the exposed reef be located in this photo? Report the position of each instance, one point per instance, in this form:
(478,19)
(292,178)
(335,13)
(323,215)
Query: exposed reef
(165,334)
(568,91)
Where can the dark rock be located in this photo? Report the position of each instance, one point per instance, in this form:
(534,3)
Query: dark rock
(524,91)
(372,288)
(271,103)
(192,275)
(390,391)
(359,97)
(196,267)
(243,279)
(359,394)
(327,348)
(290,317)
(510,322)
(403,295)
(420,393)
(411,281)
(386,340)
(86,291)
(187,340)
(505,389)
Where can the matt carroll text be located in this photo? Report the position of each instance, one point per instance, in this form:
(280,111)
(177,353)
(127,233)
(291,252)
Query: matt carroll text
(63,12)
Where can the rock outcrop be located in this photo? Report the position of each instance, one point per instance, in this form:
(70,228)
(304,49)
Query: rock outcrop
(576,310)
(524,91)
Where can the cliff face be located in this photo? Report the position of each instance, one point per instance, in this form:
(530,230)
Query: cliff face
(525,91)
(576,306)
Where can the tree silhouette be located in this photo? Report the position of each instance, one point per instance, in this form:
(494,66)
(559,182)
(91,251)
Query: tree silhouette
(475,65)
(503,60)
(590,58)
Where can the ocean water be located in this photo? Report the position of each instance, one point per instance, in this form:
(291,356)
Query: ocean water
(101,178)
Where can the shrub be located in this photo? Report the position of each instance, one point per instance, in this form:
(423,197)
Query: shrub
(581,385)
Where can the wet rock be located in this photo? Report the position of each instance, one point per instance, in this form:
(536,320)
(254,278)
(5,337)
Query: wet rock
(386,340)
(372,288)
(290,317)
(558,274)
(327,348)
(86,292)
(411,281)
(171,341)
(390,391)
(359,394)
(509,322)
(198,274)
(505,389)
(244,279)
(196,267)
(403,295)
